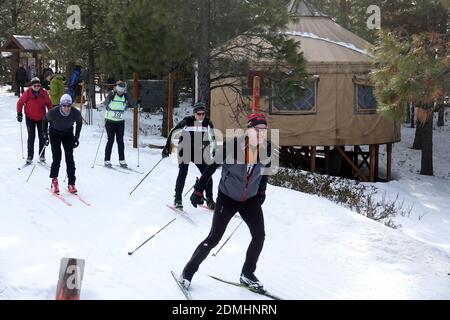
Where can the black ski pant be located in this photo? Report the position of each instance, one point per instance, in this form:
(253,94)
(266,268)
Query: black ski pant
(67,142)
(251,212)
(31,128)
(20,88)
(115,130)
(181,179)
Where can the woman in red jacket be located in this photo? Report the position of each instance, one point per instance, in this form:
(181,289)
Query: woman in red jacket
(35,100)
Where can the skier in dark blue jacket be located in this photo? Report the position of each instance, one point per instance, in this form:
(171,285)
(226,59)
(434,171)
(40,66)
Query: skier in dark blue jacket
(242,189)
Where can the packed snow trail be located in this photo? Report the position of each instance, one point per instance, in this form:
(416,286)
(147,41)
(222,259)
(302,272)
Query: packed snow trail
(314,249)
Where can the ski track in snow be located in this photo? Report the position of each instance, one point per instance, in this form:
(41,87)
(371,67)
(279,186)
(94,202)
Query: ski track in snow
(314,249)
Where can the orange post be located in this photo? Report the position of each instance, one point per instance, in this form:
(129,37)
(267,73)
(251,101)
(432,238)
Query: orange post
(256,93)
(70,276)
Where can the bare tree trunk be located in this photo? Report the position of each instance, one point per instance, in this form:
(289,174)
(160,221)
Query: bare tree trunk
(91,65)
(418,137)
(344,7)
(427,147)
(14,15)
(412,118)
(408,113)
(204,91)
(440,122)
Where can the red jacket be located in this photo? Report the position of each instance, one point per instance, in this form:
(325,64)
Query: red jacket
(34,105)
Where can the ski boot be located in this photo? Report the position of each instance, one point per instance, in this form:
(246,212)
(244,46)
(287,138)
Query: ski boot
(178,202)
(108,164)
(42,158)
(251,281)
(55,186)
(29,160)
(185,283)
(123,164)
(72,189)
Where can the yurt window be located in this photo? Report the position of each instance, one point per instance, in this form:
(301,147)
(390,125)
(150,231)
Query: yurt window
(307,104)
(365,99)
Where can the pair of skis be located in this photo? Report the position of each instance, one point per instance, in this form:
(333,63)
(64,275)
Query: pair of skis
(42,163)
(125,170)
(182,213)
(188,296)
(67,203)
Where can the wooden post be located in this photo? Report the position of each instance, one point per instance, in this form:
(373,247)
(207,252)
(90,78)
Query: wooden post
(389,162)
(355,156)
(377,156)
(350,162)
(312,160)
(70,278)
(256,93)
(372,163)
(170,102)
(327,159)
(135,114)
(15,65)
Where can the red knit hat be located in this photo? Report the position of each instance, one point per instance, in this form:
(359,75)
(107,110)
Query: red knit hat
(255,119)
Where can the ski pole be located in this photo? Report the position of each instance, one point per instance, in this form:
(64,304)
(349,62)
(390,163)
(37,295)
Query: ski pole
(130,253)
(98,148)
(40,154)
(194,186)
(21,139)
(146,176)
(215,254)
(189,190)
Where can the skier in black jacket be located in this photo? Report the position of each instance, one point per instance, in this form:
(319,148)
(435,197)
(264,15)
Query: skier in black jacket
(242,189)
(197,136)
(21,79)
(61,120)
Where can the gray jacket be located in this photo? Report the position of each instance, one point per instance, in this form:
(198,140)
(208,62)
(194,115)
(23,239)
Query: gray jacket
(240,181)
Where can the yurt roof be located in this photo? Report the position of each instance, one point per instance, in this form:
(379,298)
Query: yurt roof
(325,41)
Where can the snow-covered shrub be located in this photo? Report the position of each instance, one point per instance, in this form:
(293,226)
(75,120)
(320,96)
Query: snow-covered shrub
(361,198)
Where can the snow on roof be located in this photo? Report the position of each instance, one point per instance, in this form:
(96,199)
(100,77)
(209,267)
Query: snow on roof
(339,43)
(30,44)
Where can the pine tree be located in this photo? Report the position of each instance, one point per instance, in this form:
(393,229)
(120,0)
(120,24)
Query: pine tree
(412,69)
(171,38)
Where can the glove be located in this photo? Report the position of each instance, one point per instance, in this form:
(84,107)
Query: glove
(166,151)
(76,143)
(196,198)
(46,139)
(261,197)
(19,116)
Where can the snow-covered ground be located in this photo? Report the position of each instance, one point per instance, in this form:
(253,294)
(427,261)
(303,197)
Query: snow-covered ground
(314,249)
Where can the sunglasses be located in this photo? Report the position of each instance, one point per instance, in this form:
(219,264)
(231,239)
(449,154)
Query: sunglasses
(66,105)
(263,130)
(200,113)
(36,85)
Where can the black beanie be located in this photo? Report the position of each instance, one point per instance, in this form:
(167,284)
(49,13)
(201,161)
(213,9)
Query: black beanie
(199,106)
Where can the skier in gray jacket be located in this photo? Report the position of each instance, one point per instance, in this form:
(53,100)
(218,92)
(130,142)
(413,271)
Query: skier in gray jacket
(241,189)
